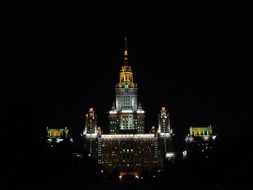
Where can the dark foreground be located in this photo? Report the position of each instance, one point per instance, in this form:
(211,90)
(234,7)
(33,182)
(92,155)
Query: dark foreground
(62,168)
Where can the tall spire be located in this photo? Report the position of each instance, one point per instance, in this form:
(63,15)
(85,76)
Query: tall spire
(125,52)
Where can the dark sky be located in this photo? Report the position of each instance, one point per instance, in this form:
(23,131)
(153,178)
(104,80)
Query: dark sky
(64,58)
(197,65)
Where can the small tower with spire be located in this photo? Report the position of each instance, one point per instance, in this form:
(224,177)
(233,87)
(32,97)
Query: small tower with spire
(140,116)
(164,121)
(90,122)
(113,121)
(91,133)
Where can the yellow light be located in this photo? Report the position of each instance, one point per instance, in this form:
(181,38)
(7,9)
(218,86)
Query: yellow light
(56,133)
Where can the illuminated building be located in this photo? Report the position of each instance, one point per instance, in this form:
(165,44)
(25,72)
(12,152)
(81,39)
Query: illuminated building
(200,141)
(127,116)
(127,148)
(91,133)
(57,135)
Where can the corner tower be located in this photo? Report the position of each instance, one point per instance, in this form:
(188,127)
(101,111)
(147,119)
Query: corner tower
(127,116)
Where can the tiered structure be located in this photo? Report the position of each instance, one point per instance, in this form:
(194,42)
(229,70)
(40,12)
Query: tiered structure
(165,131)
(54,135)
(127,116)
(200,141)
(128,149)
(91,133)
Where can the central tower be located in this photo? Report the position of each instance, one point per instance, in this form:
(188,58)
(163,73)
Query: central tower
(127,116)
(128,150)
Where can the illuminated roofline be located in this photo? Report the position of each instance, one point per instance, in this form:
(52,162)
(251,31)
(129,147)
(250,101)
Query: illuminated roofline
(127,136)
(54,129)
(126,111)
(127,72)
(93,135)
(131,85)
(165,134)
(201,135)
(201,128)
(112,112)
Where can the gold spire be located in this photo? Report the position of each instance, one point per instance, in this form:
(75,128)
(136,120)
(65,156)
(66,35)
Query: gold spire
(125,52)
(126,74)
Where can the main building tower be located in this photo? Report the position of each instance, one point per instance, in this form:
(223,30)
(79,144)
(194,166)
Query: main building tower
(127,116)
(127,149)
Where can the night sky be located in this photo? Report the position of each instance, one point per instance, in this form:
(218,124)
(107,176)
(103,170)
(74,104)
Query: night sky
(197,65)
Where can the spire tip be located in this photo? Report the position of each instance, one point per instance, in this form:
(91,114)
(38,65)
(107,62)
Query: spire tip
(125,52)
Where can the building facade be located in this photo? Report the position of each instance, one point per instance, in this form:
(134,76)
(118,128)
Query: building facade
(201,141)
(57,136)
(127,148)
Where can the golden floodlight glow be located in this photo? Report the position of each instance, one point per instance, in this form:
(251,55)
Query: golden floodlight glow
(56,133)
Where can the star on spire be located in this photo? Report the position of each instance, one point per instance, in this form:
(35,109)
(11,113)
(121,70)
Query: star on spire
(125,52)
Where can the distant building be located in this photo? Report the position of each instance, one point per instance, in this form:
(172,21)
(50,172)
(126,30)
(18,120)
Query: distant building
(127,148)
(57,135)
(200,141)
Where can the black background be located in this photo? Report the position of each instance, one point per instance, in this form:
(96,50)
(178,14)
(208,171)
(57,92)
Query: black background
(60,63)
